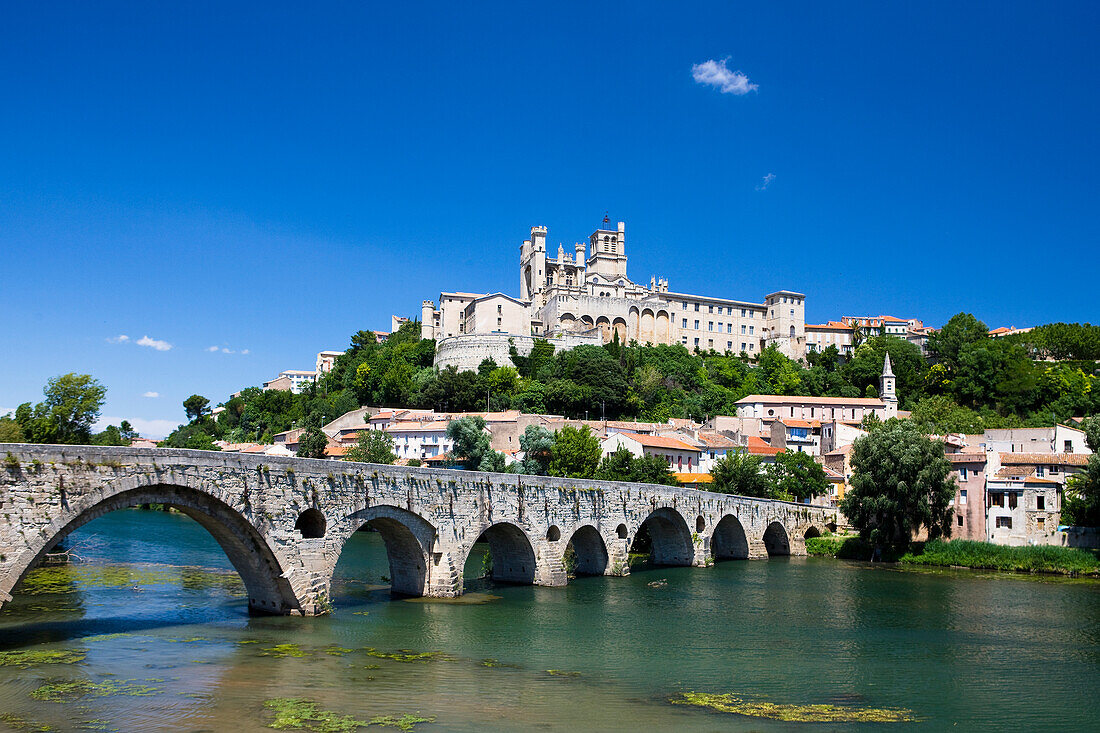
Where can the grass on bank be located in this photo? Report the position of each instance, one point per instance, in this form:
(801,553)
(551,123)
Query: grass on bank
(969,554)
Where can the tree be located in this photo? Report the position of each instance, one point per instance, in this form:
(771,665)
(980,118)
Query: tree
(10,430)
(126,431)
(312,444)
(374,446)
(111,435)
(72,405)
(797,476)
(1081,503)
(939,414)
(537,444)
(576,453)
(471,442)
(622,465)
(740,473)
(1091,428)
(196,407)
(901,482)
(946,344)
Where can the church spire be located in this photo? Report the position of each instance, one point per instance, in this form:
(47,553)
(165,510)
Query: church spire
(888,388)
(887,369)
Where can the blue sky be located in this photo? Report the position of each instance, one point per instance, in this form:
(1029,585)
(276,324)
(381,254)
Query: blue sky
(271,178)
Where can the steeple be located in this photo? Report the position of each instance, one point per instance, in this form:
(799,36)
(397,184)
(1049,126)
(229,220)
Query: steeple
(887,388)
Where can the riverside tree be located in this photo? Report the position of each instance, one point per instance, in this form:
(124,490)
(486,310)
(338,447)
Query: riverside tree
(900,482)
(576,453)
(72,405)
(797,476)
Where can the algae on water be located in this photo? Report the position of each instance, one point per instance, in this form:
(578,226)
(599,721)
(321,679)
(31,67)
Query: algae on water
(70,690)
(405,722)
(294,713)
(813,713)
(279,651)
(407,655)
(28,658)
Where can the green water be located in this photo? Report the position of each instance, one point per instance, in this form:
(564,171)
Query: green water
(178,651)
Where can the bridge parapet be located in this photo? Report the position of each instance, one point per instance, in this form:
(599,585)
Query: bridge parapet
(283,522)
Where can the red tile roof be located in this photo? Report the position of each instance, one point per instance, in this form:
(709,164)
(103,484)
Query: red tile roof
(660,441)
(1044,459)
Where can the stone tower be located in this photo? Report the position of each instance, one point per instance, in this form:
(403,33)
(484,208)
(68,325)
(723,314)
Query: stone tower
(888,388)
(786,322)
(607,255)
(532,264)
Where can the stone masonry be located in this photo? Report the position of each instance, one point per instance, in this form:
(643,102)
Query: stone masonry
(284,521)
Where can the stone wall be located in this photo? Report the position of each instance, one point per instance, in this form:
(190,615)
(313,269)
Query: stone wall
(466,353)
(284,521)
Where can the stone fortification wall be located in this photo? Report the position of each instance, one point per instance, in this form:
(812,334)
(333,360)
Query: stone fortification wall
(466,352)
(283,522)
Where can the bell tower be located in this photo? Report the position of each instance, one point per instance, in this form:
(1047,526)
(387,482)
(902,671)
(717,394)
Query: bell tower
(888,388)
(607,252)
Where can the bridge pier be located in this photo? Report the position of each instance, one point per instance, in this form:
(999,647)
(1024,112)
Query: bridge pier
(758,550)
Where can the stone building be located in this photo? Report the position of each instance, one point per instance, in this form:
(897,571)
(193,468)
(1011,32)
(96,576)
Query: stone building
(586,294)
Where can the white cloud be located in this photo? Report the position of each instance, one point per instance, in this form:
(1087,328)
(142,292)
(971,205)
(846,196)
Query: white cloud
(153,343)
(151,394)
(244,351)
(156,429)
(211,348)
(718,75)
(224,350)
(765,182)
(120,339)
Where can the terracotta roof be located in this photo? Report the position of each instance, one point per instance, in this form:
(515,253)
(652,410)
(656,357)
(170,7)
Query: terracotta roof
(841,451)
(660,441)
(791,422)
(763,450)
(832,475)
(1010,471)
(349,437)
(893,320)
(337,450)
(441,458)
(714,440)
(966,457)
(695,478)
(800,400)
(1044,459)
(255,449)
(830,326)
(414,427)
(1034,480)
(998,331)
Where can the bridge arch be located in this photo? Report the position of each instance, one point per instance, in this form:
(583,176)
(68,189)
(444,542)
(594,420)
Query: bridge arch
(248,552)
(408,539)
(590,551)
(670,537)
(512,553)
(729,541)
(776,540)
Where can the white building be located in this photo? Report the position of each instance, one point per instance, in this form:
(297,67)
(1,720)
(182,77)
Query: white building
(420,440)
(680,456)
(292,379)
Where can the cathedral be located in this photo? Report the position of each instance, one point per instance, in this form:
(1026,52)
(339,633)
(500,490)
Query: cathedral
(586,296)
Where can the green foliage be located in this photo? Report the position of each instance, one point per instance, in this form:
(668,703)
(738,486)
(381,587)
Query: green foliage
(845,548)
(900,483)
(72,405)
(797,476)
(374,446)
(1091,427)
(622,465)
(740,473)
(111,435)
(196,407)
(312,444)
(537,444)
(1064,341)
(576,453)
(982,555)
(11,431)
(472,445)
(1081,500)
(940,415)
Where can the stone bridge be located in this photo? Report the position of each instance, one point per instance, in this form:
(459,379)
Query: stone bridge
(284,521)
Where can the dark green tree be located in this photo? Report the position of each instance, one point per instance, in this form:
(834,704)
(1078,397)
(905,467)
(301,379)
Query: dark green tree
(312,443)
(1081,502)
(374,446)
(196,407)
(576,453)
(72,405)
(537,444)
(901,482)
(740,473)
(797,476)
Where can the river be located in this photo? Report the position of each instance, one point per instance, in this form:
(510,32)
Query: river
(151,632)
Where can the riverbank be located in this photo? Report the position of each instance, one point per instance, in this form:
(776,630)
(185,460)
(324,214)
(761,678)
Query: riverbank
(968,554)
